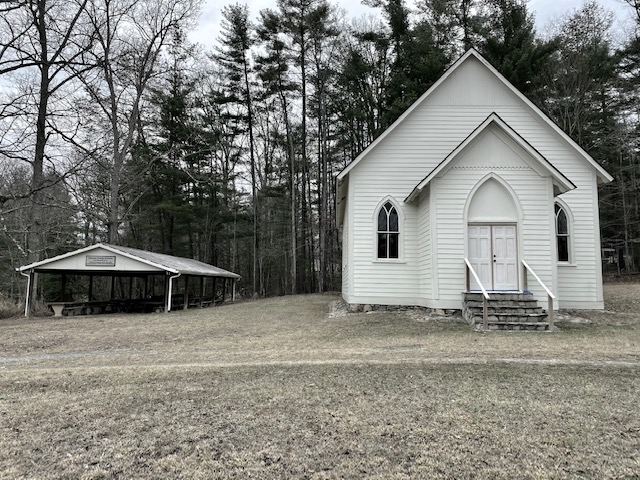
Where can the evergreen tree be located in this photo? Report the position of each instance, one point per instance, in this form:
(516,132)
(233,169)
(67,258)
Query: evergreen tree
(234,58)
(418,61)
(511,46)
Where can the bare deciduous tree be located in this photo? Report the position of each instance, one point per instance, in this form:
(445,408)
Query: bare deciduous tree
(130,36)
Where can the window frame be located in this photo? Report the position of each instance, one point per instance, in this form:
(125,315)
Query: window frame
(376,232)
(557,208)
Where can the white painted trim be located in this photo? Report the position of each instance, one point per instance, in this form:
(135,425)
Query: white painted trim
(352,234)
(494,119)
(508,188)
(406,113)
(401,231)
(602,173)
(598,246)
(491,222)
(109,248)
(433,222)
(554,245)
(570,230)
(59,257)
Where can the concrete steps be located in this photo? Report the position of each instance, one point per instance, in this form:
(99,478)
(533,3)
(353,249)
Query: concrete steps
(506,311)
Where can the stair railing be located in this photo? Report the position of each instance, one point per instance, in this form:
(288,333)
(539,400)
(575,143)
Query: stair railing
(550,296)
(485,295)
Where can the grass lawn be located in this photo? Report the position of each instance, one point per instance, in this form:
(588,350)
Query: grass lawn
(278,388)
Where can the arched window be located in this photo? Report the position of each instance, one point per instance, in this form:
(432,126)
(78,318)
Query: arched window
(562,233)
(388,231)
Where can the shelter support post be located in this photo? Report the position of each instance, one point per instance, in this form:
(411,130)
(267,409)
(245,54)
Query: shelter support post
(201,291)
(224,290)
(113,287)
(233,292)
(29,296)
(90,295)
(185,298)
(169,292)
(63,287)
(33,300)
(214,291)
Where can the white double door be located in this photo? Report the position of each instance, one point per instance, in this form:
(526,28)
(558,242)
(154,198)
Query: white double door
(493,254)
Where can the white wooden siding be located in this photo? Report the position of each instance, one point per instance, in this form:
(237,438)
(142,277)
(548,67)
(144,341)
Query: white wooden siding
(346,279)
(454,188)
(425,270)
(383,281)
(416,147)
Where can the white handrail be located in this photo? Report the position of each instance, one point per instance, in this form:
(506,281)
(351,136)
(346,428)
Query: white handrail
(475,276)
(550,296)
(538,279)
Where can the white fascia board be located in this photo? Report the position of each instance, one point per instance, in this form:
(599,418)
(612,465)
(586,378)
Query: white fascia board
(59,257)
(406,113)
(494,119)
(94,247)
(602,173)
(341,199)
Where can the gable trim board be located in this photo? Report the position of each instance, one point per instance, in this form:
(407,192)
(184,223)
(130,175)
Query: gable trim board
(563,183)
(147,261)
(602,174)
(470,129)
(47,264)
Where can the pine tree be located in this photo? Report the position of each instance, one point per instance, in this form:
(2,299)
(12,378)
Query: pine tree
(234,58)
(511,45)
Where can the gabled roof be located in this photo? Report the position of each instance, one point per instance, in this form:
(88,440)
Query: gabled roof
(562,183)
(159,261)
(603,175)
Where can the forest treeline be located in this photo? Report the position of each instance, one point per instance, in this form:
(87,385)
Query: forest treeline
(115,128)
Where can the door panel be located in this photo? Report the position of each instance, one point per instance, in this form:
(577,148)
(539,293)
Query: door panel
(493,255)
(505,264)
(480,255)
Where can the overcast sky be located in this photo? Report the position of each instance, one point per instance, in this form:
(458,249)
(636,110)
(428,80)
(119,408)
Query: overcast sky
(545,11)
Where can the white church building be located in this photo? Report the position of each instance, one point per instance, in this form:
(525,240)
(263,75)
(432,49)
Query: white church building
(472,188)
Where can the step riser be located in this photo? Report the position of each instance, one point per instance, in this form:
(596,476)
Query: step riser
(505,303)
(504,308)
(505,311)
(498,296)
(541,327)
(520,312)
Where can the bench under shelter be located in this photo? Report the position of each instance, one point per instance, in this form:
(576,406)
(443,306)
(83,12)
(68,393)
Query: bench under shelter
(123,279)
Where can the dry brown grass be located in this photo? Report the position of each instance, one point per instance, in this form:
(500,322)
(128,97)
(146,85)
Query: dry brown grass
(277,389)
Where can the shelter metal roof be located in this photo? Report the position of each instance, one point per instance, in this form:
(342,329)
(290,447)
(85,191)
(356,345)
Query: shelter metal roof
(154,261)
